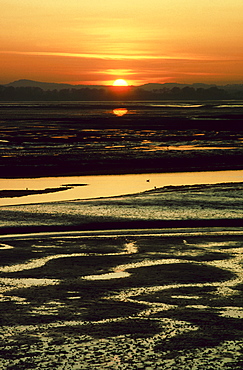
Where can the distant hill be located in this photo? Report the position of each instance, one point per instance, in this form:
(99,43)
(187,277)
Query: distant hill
(157,86)
(148,87)
(28,90)
(49,86)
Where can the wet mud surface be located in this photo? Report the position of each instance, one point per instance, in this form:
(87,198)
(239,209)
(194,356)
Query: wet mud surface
(122,302)
(65,139)
(215,205)
(107,285)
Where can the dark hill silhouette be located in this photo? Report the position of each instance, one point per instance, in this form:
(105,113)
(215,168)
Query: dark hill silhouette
(147,87)
(28,90)
(48,85)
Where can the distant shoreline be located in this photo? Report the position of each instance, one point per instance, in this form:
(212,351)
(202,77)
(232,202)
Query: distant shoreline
(37,91)
(22,193)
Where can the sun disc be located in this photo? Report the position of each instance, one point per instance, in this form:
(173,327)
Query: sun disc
(120,82)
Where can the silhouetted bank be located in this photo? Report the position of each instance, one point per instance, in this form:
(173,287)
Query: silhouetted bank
(33,93)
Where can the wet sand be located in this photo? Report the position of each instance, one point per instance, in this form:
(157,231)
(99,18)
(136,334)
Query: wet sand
(145,281)
(215,205)
(122,302)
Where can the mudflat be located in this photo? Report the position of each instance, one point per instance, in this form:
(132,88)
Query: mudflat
(129,301)
(205,205)
(151,280)
(56,139)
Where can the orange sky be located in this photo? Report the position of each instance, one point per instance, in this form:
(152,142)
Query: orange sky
(96,42)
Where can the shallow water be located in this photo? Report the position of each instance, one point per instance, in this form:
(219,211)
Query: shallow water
(109,185)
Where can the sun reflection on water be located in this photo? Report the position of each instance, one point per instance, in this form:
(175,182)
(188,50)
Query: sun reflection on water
(119,112)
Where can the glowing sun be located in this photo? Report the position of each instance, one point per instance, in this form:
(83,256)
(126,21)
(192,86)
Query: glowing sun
(120,82)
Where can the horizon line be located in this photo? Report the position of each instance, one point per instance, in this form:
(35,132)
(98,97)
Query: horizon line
(130,85)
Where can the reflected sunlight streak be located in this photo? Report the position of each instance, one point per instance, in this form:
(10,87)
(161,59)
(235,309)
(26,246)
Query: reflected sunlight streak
(119,112)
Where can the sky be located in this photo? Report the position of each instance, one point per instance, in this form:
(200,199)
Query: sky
(96,42)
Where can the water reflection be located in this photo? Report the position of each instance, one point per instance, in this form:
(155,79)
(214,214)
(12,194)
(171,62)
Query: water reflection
(120,111)
(109,185)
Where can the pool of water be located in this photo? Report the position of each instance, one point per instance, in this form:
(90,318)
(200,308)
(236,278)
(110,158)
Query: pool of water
(108,185)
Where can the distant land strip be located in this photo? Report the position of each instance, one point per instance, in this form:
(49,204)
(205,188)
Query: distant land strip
(27,90)
(22,193)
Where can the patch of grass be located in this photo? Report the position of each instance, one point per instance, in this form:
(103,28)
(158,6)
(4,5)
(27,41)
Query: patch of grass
(12,313)
(213,329)
(163,244)
(189,341)
(135,328)
(104,309)
(22,365)
(167,296)
(20,344)
(235,365)
(91,245)
(177,273)
(208,256)
(238,287)
(72,267)
(14,256)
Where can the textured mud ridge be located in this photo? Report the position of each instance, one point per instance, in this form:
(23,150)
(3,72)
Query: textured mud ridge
(122,302)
